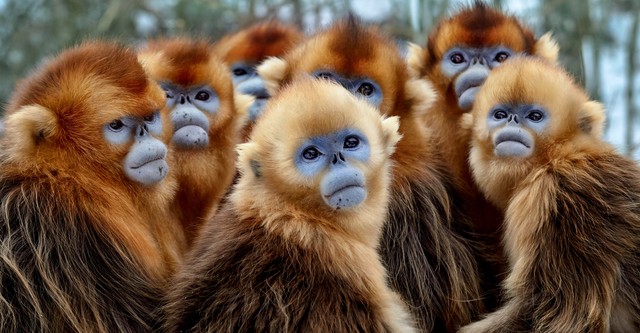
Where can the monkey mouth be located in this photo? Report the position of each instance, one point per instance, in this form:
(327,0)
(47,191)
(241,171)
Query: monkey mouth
(148,162)
(346,197)
(513,144)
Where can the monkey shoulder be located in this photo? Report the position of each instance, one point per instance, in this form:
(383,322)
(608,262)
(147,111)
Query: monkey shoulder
(54,253)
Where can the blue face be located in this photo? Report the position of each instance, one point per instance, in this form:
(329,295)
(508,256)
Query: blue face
(362,87)
(343,184)
(190,111)
(247,81)
(145,162)
(513,125)
(470,67)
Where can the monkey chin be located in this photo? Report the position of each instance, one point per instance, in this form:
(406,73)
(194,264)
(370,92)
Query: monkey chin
(346,197)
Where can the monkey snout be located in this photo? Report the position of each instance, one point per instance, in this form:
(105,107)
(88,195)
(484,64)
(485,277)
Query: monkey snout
(343,188)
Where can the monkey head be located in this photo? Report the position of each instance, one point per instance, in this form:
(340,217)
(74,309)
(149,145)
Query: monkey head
(199,92)
(463,49)
(247,48)
(361,59)
(323,155)
(92,108)
(528,112)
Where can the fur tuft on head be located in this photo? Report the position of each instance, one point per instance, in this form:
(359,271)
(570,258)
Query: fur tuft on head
(547,48)
(273,71)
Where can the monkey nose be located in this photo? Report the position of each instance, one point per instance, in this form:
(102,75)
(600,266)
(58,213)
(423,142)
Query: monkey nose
(142,130)
(338,157)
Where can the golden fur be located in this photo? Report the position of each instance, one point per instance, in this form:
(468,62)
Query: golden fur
(203,174)
(432,265)
(84,249)
(572,218)
(477,25)
(278,258)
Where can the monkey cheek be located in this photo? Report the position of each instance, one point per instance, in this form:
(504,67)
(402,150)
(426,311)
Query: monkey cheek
(512,149)
(347,197)
(465,100)
(191,137)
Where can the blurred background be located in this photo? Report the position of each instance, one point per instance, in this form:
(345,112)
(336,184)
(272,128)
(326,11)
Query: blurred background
(598,38)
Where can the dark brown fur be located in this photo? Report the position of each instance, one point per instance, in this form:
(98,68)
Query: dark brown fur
(430,264)
(572,213)
(82,248)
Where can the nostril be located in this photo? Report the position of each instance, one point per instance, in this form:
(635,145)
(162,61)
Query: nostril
(341,157)
(335,159)
(182,100)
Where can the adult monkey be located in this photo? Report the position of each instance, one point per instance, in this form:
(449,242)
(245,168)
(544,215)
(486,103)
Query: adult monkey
(87,239)
(460,52)
(430,264)
(571,203)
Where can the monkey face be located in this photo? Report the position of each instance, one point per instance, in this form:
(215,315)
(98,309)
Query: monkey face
(145,161)
(513,128)
(332,157)
(190,110)
(468,68)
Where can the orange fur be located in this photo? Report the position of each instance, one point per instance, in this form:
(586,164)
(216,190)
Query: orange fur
(79,238)
(434,269)
(572,220)
(258,42)
(203,174)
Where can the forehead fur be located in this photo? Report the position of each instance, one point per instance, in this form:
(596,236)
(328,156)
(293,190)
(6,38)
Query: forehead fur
(353,49)
(183,61)
(257,42)
(477,26)
(87,77)
(308,108)
(529,80)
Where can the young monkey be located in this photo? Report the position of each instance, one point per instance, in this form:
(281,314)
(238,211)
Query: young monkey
(571,203)
(295,248)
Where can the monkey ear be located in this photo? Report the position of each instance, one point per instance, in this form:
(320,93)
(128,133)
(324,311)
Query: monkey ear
(547,48)
(390,132)
(420,94)
(591,118)
(247,159)
(33,125)
(415,59)
(242,104)
(273,71)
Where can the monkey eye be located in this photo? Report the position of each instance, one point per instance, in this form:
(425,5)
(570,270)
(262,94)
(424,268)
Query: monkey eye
(239,71)
(150,117)
(116,125)
(501,56)
(500,114)
(324,75)
(311,154)
(366,89)
(202,96)
(535,116)
(457,58)
(351,142)
(169,94)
